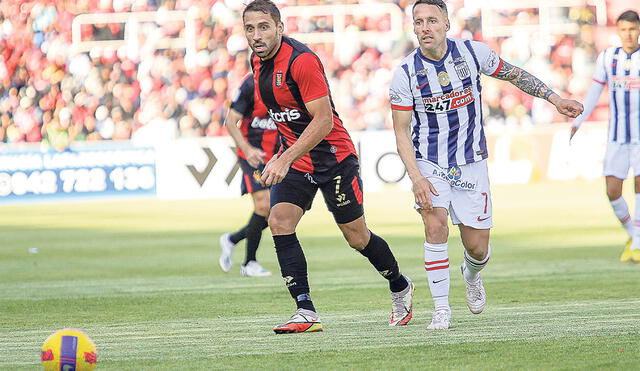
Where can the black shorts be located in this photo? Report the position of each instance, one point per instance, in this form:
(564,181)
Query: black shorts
(341,188)
(250,177)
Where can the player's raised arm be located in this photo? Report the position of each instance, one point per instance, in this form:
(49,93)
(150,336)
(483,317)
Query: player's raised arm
(533,86)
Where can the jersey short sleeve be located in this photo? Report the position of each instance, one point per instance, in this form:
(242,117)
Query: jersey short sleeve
(600,74)
(490,62)
(308,73)
(243,98)
(400,95)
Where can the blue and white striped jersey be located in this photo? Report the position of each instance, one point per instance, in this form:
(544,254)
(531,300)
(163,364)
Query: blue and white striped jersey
(445,99)
(621,72)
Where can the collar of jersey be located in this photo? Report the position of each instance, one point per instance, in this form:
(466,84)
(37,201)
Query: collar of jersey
(629,54)
(438,62)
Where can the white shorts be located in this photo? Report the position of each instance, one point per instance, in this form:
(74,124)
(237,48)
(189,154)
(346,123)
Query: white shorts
(619,158)
(462,190)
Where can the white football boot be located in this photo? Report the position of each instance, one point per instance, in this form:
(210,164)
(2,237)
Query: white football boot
(441,320)
(254,269)
(476,296)
(226,247)
(402,305)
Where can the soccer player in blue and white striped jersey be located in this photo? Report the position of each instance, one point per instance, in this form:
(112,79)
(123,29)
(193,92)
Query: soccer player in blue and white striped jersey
(436,106)
(619,68)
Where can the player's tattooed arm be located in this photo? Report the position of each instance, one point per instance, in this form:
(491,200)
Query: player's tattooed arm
(533,86)
(524,81)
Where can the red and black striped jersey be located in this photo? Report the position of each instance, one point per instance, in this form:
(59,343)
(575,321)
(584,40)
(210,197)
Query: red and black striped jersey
(257,127)
(293,77)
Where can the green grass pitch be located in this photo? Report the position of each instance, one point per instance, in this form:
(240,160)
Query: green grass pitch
(141,277)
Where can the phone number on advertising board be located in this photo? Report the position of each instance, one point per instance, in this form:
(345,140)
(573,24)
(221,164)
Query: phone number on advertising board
(82,180)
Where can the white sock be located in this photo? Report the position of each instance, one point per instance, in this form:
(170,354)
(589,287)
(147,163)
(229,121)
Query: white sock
(436,263)
(621,210)
(636,225)
(471,267)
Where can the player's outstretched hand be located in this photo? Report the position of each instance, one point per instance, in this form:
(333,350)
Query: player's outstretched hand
(255,156)
(274,171)
(422,190)
(569,107)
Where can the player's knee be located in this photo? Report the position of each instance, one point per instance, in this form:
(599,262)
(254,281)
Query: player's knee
(478,251)
(356,240)
(280,224)
(613,194)
(437,233)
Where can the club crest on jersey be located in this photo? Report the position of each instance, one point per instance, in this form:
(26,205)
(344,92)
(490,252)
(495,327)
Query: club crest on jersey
(278,79)
(443,78)
(462,70)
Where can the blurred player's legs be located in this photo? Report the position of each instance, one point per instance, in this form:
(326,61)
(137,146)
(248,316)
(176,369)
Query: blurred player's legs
(635,245)
(617,161)
(252,232)
(621,210)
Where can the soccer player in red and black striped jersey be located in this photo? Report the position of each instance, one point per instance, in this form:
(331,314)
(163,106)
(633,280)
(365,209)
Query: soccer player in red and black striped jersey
(316,153)
(257,141)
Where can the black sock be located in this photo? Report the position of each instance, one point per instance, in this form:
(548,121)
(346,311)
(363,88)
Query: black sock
(293,267)
(254,233)
(239,235)
(381,257)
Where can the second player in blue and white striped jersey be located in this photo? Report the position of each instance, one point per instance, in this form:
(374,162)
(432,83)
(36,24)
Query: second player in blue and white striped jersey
(445,98)
(620,71)
(619,68)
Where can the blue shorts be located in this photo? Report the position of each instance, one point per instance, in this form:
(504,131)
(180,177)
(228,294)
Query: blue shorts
(341,187)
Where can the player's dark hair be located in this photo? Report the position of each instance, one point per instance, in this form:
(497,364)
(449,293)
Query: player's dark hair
(439,3)
(264,6)
(629,16)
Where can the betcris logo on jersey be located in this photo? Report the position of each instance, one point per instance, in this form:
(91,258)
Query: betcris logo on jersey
(449,101)
(265,124)
(286,116)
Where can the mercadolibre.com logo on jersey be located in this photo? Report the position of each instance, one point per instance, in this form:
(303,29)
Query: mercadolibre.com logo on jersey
(287,115)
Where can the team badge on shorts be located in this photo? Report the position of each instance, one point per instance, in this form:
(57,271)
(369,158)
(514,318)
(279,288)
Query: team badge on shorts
(279,79)
(257,174)
(443,78)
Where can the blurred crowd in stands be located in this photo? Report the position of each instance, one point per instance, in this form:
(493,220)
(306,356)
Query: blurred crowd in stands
(52,93)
